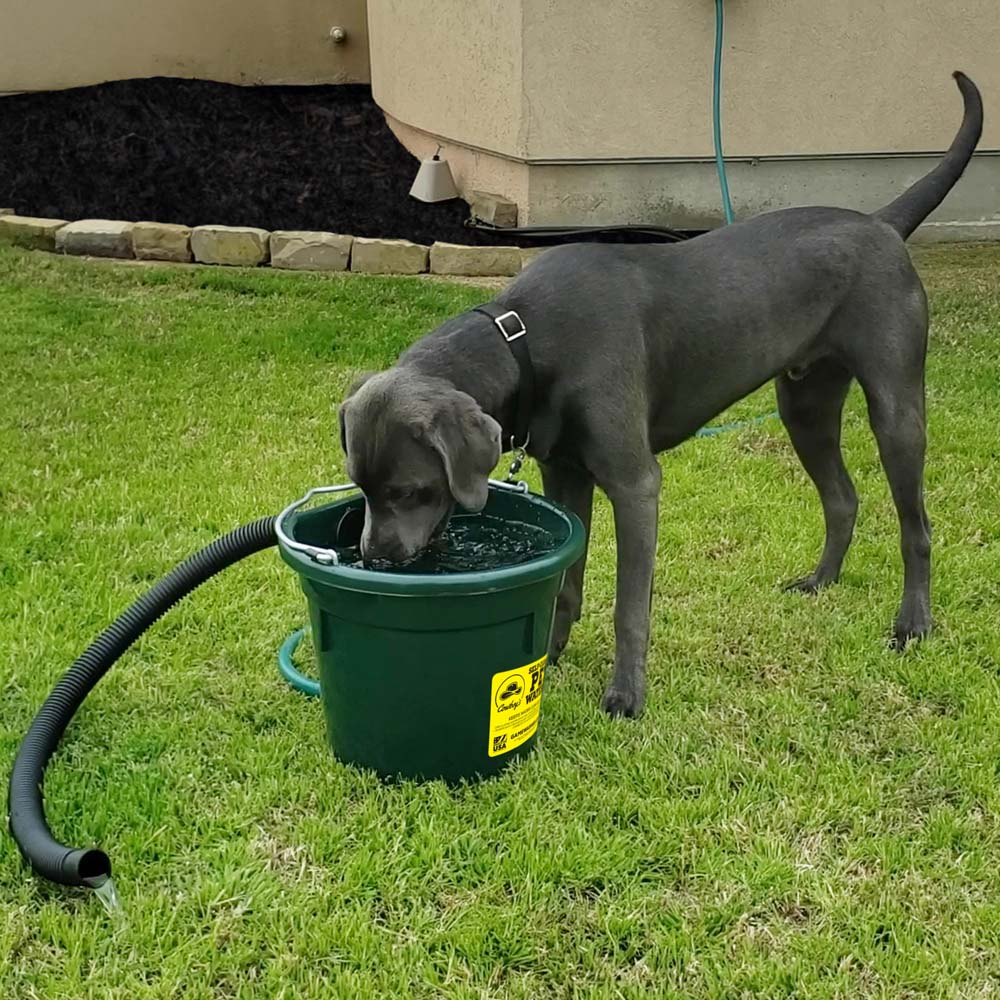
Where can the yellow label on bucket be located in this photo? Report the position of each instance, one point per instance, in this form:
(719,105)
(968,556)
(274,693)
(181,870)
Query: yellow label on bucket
(515,705)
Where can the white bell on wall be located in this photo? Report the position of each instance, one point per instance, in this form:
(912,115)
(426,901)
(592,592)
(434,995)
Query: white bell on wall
(434,181)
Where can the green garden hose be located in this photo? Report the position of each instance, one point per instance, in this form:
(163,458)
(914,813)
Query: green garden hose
(720,163)
(298,680)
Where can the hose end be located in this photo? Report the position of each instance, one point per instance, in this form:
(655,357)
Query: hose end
(86,866)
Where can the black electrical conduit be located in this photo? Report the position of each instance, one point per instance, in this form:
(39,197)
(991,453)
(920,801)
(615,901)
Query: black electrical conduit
(652,233)
(91,867)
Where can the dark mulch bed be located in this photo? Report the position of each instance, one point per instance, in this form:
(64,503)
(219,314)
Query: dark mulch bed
(195,152)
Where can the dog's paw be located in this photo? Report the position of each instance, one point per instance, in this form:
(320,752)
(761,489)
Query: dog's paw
(622,703)
(556,647)
(562,626)
(811,584)
(905,633)
(913,622)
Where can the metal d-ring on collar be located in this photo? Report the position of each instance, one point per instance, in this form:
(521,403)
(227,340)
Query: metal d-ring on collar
(513,331)
(520,454)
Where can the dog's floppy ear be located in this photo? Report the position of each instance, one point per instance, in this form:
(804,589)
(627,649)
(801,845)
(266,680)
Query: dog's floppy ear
(355,385)
(358,383)
(343,427)
(468,442)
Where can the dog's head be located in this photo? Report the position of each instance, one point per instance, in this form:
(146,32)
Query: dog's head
(415,446)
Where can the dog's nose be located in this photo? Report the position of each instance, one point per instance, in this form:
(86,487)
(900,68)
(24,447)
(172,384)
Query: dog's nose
(375,550)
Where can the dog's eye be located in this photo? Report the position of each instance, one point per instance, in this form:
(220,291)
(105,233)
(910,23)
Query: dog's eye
(398,494)
(409,495)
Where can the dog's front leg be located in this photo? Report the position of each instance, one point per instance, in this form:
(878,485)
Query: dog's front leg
(635,505)
(574,488)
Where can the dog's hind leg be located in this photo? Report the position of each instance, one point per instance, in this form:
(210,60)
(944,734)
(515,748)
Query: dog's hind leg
(811,409)
(574,488)
(889,362)
(897,416)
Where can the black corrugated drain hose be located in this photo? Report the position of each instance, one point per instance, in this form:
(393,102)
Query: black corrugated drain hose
(91,867)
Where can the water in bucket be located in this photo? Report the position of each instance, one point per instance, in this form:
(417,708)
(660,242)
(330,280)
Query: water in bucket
(483,542)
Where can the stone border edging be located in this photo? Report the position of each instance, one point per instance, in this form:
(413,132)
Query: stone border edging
(245,246)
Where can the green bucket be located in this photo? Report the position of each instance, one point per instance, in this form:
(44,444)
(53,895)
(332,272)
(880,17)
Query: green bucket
(430,676)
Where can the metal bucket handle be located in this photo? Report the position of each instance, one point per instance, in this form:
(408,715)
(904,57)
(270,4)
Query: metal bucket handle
(329,557)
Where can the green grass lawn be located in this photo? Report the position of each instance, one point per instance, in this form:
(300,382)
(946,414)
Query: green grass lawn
(799,813)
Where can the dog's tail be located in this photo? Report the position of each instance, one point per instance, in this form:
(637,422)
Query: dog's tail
(917,202)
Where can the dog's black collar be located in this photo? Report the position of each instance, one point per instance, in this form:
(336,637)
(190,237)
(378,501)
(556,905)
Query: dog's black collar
(513,331)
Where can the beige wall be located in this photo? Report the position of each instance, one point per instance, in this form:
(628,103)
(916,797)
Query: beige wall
(579,79)
(801,77)
(452,67)
(53,44)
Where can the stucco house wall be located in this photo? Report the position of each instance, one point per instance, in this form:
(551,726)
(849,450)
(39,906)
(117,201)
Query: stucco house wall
(596,112)
(56,44)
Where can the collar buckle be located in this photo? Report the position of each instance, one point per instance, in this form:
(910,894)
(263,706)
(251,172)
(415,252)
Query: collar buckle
(511,332)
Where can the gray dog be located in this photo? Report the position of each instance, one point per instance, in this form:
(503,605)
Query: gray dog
(636,347)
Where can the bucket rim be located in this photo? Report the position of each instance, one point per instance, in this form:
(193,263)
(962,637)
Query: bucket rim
(388,583)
